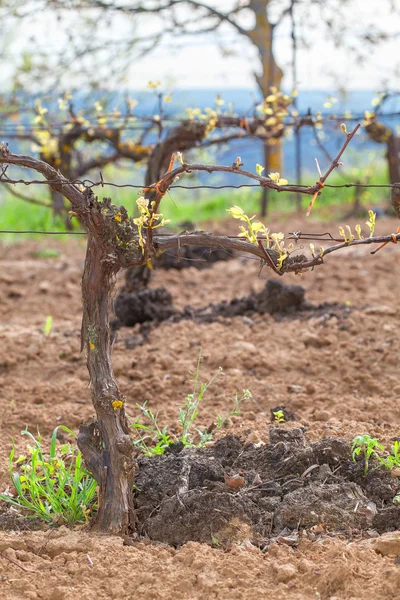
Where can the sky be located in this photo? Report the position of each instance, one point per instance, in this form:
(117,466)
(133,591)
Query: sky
(198,62)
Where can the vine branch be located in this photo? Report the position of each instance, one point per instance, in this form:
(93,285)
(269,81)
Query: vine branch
(124,229)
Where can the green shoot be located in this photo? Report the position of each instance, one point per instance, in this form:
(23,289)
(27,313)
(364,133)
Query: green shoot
(221,421)
(153,439)
(393,460)
(190,410)
(371,222)
(54,487)
(159,439)
(276,241)
(279,417)
(364,444)
(47,327)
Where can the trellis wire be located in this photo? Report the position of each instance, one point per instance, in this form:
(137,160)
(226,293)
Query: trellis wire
(89,184)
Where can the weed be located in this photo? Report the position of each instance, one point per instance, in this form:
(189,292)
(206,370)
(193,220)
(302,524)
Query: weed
(366,445)
(393,460)
(53,487)
(156,439)
(279,416)
(188,413)
(221,421)
(369,446)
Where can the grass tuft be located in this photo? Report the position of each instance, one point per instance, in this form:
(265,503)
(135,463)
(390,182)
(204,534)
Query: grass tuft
(51,486)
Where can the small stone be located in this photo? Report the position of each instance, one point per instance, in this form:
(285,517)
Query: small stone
(15,293)
(288,540)
(252,438)
(295,389)
(285,573)
(234,481)
(44,287)
(316,341)
(134,341)
(387,544)
(381,309)
(235,372)
(321,415)
(372,533)
(248,321)
(306,566)
(323,472)
(12,543)
(247,347)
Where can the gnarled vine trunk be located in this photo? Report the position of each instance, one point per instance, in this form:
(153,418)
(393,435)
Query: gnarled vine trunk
(105,442)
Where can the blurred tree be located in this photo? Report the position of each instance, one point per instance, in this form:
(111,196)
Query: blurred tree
(381,133)
(79,143)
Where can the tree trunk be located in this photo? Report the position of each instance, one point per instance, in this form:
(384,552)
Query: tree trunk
(262,36)
(183,137)
(393,158)
(271,75)
(59,210)
(264,193)
(381,134)
(105,442)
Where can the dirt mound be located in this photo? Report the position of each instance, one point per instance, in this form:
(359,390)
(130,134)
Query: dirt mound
(139,306)
(235,491)
(143,306)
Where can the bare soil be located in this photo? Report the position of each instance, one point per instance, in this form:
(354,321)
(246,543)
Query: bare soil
(335,370)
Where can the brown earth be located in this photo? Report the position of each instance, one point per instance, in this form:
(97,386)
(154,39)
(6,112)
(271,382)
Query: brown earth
(336,371)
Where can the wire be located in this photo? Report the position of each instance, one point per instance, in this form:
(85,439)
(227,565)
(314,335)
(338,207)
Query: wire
(43,232)
(143,122)
(89,184)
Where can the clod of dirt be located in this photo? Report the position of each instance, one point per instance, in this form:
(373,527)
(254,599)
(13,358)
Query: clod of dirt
(331,505)
(288,484)
(387,544)
(275,297)
(183,518)
(142,306)
(132,306)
